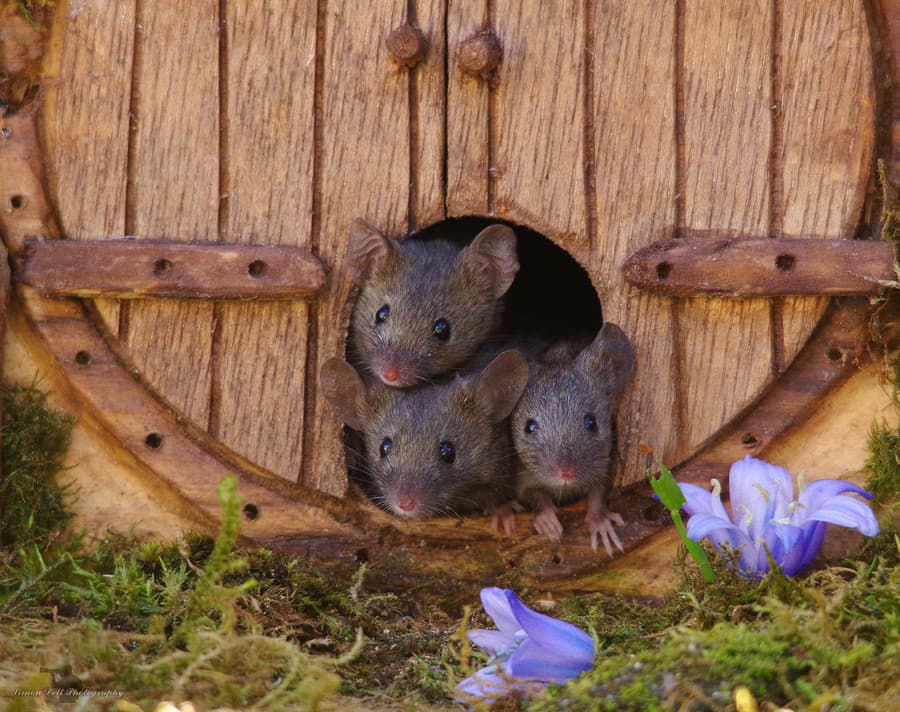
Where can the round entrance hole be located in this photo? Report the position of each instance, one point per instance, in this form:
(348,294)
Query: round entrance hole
(551,299)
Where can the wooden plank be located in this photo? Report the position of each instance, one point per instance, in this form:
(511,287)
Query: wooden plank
(364,173)
(633,163)
(725,345)
(829,130)
(762,267)
(430,103)
(174,189)
(539,142)
(468,98)
(257,405)
(85,122)
(132,269)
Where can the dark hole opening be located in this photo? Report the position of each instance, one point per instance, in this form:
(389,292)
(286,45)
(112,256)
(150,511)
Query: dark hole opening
(162,267)
(834,354)
(362,556)
(154,441)
(251,511)
(663,270)
(17,202)
(83,358)
(556,559)
(257,268)
(551,298)
(749,440)
(784,263)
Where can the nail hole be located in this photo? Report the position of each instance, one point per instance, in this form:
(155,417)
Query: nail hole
(162,268)
(251,511)
(154,441)
(83,358)
(784,263)
(362,556)
(17,202)
(749,440)
(556,559)
(257,268)
(654,513)
(834,354)
(663,269)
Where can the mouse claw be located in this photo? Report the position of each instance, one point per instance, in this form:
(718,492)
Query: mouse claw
(546,522)
(603,525)
(505,515)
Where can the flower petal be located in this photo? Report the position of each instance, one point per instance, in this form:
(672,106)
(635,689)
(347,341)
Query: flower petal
(760,490)
(496,604)
(716,529)
(847,512)
(702,501)
(802,555)
(491,641)
(533,661)
(560,639)
(815,494)
(488,685)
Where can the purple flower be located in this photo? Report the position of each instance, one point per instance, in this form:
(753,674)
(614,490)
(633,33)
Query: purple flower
(764,511)
(529,651)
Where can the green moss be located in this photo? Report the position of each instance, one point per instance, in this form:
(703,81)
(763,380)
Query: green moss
(35,440)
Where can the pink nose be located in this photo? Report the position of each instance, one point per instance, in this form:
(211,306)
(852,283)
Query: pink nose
(566,472)
(390,374)
(407,502)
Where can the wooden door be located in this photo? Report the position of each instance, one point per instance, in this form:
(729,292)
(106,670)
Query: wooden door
(607,126)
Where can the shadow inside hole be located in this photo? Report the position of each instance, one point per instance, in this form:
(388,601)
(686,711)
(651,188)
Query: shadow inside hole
(552,298)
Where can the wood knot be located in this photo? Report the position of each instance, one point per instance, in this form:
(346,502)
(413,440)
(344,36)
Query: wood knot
(480,54)
(407,45)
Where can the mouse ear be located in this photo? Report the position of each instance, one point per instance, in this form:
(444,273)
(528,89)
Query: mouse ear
(609,358)
(490,262)
(345,392)
(500,385)
(368,249)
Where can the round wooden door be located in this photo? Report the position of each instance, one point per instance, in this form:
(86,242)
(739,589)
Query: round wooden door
(607,126)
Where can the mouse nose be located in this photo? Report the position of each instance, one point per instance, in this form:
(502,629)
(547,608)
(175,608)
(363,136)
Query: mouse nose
(390,374)
(567,471)
(407,502)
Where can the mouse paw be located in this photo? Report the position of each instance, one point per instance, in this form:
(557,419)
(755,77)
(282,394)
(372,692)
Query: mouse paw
(602,523)
(546,522)
(504,515)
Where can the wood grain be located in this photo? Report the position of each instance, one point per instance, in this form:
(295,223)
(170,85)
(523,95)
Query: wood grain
(634,165)
(175,188)
(85,122)
(430,104)
(365,173)
(753,267)
(467,117)
(267,139)
(539,149)
(829,130)
(133,269)
(725,345)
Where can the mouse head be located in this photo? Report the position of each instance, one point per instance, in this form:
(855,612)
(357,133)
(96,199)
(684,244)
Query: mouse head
(425,306)
(562,426)
(439,449)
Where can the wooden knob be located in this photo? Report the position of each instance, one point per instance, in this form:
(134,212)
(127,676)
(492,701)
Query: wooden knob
(407,45)
(480,54)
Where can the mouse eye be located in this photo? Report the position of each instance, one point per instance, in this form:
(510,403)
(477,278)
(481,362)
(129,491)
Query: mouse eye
(382,314)
(447,451)
(386,446)
(590,422)
(530,426)
(441,329)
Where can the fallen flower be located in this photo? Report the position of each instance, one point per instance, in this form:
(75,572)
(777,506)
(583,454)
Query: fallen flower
(529,651)
(764,512)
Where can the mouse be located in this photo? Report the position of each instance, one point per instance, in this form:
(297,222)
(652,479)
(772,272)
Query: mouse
(437,449)
(425,306)
(562,428)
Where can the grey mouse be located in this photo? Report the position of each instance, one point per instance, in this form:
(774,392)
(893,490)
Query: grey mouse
(425,306)
(437,449)
(563,431)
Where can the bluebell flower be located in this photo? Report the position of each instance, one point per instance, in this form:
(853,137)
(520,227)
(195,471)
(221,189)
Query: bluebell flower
(764,512)
(528,651)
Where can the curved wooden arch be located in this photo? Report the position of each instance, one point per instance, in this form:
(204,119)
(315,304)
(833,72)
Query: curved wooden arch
(292,516)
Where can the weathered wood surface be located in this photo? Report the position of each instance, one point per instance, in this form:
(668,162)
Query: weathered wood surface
(134,269)
(763,267)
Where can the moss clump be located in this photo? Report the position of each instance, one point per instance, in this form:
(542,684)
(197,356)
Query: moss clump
(883,463)
(35,440)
